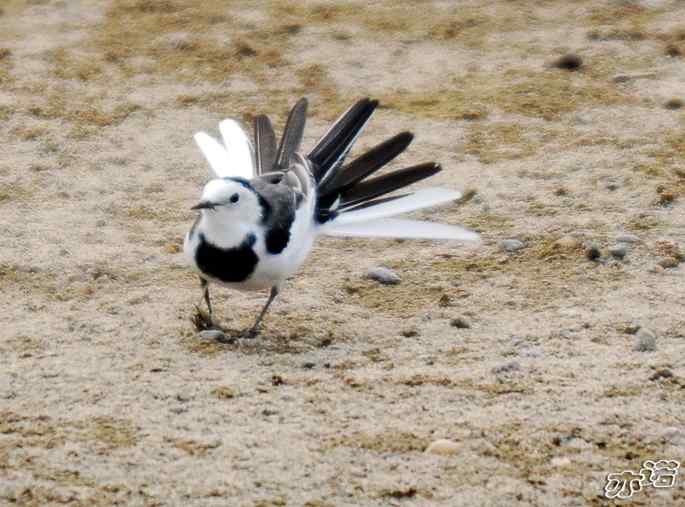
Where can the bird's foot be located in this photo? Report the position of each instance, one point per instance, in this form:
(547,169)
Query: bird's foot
(203,321)
(251,333)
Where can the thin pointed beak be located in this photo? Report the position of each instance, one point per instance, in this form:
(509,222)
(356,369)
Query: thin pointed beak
(203,205)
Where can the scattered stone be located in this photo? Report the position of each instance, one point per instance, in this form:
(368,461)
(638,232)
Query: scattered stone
(627,238)
(212,334)
(569,61)
(673,51)
(100,223)
(308,365)
(410,332)
(459,323)
(646,341)
(674,104)
(277,380)
(619,250)
(668,262)
(656,269)
(383,275)
(661,373)
(612,186)
(506,367)
(443,447)
(511,245)
(592,252)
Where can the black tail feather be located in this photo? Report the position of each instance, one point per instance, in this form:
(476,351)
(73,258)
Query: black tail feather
(381,185)
(265,144)
(292,134)
(365,165)
(367,204)
(331,150)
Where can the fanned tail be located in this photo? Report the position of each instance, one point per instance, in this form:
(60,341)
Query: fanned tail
(400,228)
(265,144)
(292,135)
(350,203)
(330,152)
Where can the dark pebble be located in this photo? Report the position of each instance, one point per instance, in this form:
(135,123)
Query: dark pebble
(569,62)
(460,323)
(592,253)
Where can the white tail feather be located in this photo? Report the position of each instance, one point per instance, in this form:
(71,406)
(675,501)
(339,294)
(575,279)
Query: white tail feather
(424,198)
(232,160)
(398,228)
(238,147)
(215,154)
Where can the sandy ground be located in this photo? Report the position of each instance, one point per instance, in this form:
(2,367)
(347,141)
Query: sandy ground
(108,396)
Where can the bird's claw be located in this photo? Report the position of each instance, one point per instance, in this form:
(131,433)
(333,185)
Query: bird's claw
(203,321)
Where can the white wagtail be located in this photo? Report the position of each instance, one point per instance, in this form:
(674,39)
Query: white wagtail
(259,217)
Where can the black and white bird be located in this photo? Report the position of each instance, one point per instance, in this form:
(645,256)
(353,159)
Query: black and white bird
(260,215)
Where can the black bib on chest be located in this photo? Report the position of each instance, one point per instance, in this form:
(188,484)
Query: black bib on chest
(227,264)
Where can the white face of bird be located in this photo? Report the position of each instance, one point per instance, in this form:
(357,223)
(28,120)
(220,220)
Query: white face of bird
(231,201)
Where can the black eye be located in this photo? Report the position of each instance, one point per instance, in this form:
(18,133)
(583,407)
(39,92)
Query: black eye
(234,198)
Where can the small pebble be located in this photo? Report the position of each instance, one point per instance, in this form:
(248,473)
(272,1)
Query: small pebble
(511,245)
(674,104)
(443,447)
(383,275)
(669,262)
(627,238)
(410,332)
(212,334)
(459,323)
(619,250)
(569,61)
(661,373)
(592,252)
(645,341)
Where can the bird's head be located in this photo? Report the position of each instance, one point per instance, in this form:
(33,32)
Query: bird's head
(231,200)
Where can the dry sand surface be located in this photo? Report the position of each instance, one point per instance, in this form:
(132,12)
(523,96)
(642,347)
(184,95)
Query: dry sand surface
(109,397)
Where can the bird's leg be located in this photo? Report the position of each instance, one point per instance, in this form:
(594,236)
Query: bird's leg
(201,320)
(205,292)
(255,329)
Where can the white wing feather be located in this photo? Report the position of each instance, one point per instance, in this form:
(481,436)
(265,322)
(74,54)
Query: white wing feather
(231,159)
(424,198)
(399,228)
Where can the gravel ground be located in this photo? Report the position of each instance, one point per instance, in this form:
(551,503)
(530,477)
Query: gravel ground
(517,372)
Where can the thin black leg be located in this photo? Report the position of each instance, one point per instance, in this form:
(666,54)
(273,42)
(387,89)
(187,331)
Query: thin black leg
(272,296)
(205,293)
